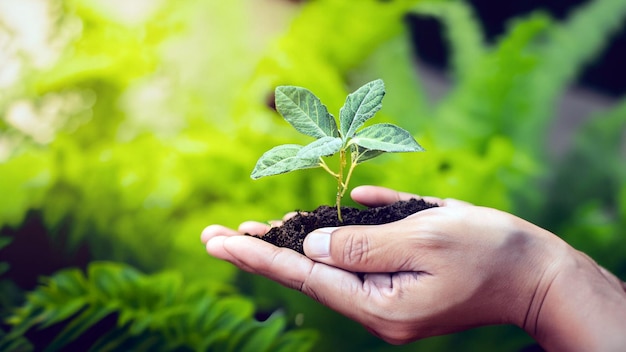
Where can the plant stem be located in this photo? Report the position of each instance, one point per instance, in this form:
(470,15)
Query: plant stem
(341,186)
(353,158)
(325,167)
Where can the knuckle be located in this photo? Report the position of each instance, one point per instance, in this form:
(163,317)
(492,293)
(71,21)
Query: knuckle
(356,249)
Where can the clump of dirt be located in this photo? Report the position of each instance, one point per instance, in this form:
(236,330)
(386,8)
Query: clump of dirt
(293,231)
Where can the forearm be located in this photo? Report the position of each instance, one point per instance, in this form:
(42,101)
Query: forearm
(583,309)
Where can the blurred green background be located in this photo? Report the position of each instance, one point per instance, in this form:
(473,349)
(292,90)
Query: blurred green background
(129,126)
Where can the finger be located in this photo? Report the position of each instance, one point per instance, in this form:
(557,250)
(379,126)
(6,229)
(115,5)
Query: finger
(254,228)
(375,196)
(216,230)
(291,214)
(259,257)
(282,265)
(275,223)
(379,248)
(340,290)
(451,202)
(259,228)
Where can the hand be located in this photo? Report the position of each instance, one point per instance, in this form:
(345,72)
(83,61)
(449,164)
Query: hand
(439,271)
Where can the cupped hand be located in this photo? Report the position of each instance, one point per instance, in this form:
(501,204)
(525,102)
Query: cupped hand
(441,270)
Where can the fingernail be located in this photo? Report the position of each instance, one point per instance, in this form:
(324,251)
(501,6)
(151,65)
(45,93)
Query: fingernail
(317,243)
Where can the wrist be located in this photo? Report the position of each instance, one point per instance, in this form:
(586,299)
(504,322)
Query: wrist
(537,256)
(577,306)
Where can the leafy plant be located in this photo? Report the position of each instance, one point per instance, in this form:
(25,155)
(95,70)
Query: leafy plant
(130,171)
(119,308)
(306,113)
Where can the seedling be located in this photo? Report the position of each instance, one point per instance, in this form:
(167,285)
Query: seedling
(306,113)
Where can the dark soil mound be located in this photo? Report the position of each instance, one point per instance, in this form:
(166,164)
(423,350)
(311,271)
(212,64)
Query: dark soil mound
(293,231)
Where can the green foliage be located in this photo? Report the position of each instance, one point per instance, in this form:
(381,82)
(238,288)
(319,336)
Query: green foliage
(487,137)
(158,312)
(25,181)
(306,113)
(318,48)
(143,129)
(511,88)
(592,176)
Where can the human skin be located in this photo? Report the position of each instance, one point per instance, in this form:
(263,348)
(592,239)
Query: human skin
(443,270)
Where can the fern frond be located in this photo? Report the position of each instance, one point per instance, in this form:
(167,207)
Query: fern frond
(157,311)
(511,88)
(463,32)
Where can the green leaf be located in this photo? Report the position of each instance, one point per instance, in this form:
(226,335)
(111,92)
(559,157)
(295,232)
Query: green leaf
(361,106)
(324,146)
(297,341)
(5,241)
(387,138)
(62,312)
(305,112)
(281,159)
(78,326)
(463,33)
(365,154)
(70,282)
(19,343)
(111,341)
(265,334)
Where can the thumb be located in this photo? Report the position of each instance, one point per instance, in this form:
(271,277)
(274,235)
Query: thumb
(374,248)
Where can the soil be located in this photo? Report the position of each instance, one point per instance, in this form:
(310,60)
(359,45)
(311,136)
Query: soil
(293,231)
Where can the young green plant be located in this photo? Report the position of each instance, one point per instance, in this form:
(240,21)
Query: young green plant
(306,113)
